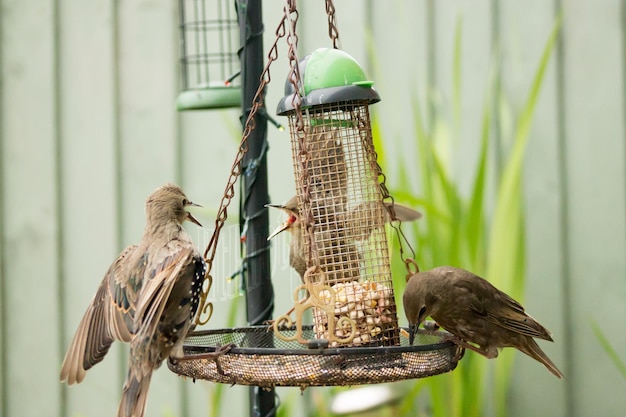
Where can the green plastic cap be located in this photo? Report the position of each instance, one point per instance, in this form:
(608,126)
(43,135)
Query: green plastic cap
(329,76)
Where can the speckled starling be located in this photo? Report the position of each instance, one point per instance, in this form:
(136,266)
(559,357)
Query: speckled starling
(481,316)
(148,297)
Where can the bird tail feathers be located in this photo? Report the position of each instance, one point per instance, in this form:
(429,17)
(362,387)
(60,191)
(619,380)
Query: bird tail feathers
(532,349)
(134,396)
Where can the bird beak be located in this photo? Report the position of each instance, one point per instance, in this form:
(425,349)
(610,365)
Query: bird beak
(283,226)
(412,331)
(278,206)
(279,229)
(193,219)
(189,216)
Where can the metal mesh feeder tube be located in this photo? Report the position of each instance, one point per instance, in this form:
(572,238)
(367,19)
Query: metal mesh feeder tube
(337,183)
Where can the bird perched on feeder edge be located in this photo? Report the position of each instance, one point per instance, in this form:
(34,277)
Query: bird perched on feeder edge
(297,257)
(148,297)
(481,316)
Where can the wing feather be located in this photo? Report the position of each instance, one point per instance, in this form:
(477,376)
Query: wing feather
(103,323)
(504,311)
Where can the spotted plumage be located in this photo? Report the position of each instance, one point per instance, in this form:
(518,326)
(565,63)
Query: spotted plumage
(148,297)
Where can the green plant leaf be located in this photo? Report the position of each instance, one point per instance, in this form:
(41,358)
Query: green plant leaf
(608,348)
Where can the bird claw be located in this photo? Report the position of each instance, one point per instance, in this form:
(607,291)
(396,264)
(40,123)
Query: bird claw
(219,351)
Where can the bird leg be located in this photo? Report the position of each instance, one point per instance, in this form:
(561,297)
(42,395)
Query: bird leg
(219,351)
(488,353)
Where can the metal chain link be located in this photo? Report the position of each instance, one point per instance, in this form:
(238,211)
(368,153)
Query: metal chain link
(333,32)
(395,223)
(295,78)
(236,169)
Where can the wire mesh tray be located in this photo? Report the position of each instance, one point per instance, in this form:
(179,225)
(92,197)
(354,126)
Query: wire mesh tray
(260,358)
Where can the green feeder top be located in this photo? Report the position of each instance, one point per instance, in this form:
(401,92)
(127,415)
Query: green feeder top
(329,76)
(206,97)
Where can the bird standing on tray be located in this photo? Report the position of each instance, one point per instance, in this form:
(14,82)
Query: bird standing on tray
(483,317)
(148,297)
(297,257)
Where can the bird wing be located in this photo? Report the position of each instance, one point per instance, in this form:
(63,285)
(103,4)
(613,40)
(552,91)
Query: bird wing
(108,318)
(157,289)
(504,311)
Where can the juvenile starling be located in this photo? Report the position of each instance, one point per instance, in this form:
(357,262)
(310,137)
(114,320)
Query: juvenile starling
(148,297)
(297,256)
(481,316)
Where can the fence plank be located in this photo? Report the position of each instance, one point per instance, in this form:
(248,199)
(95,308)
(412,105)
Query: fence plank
(594,155)
(398,57)
(30,209)
(524,30)
(148,85)
(88,120)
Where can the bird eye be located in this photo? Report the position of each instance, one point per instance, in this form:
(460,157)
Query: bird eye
(185,202)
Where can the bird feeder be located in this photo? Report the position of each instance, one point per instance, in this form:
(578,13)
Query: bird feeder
(209,38)
(336,176)
(355,337)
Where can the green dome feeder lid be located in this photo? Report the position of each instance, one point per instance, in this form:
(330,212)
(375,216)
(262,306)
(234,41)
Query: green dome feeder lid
(329,76)
(209,97)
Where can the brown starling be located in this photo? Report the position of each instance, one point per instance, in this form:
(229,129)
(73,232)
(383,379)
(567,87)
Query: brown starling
(148,297)
(481,316)
(297,257)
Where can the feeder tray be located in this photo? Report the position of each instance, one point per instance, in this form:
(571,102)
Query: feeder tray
(262,359)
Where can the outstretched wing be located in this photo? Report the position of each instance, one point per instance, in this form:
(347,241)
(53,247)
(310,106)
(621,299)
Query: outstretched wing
(108,318)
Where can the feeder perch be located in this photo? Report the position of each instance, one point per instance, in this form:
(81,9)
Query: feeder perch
(260,358)
(209,38)
(355,338)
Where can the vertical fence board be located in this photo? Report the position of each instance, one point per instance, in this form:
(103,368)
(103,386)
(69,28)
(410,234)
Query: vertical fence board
(525,29)
(30,208)
(475,57)
(87,117)
(148,86)
(398,58)
(594,152)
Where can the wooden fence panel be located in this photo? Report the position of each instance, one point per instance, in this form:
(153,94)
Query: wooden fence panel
(89,130)
(30,139)
(594,152)
(524,29)
(87,110)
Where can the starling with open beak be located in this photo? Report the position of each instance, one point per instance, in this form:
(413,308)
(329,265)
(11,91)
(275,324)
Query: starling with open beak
(148,297)
(297,257)
(484,318)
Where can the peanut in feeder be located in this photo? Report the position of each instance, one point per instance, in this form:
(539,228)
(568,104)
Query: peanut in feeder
(340,199)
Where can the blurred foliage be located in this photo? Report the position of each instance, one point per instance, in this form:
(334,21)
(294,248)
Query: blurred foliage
(457,231)
(620,364)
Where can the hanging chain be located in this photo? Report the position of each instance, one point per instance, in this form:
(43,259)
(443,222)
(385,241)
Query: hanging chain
(333,32)
(395,223)
(295,79)
(235,171)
